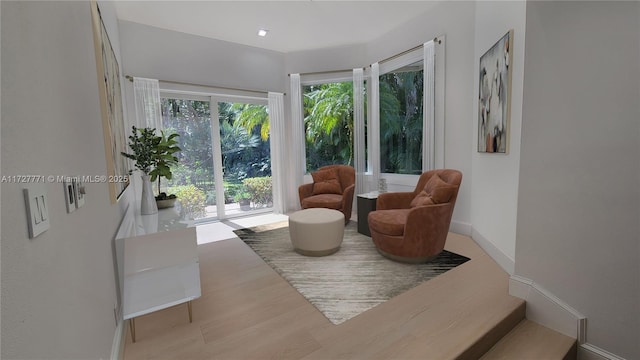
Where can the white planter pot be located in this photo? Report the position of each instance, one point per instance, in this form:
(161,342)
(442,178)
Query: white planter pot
(148,202)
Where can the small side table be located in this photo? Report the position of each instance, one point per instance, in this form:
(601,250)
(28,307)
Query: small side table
(366,204)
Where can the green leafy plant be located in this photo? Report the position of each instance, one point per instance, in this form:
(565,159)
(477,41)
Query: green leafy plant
(165,158)
(259,189)
(242,195)
(143,143)
(153,154)
(192,200)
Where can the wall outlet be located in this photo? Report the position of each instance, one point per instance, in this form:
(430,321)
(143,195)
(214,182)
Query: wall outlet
(35,197)
(69,195)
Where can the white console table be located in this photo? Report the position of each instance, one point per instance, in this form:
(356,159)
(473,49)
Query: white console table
(158,270)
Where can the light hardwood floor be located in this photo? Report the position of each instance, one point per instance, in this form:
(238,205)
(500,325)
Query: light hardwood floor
(247,311)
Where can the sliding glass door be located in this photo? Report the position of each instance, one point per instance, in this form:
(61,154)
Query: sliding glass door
(193,177)
(224,167)
(245,156)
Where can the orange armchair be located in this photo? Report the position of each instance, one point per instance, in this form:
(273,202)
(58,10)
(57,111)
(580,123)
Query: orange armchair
(332,188)
(413,226)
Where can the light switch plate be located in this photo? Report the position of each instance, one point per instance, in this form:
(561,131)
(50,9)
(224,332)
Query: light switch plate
(69,195)
(35,197)
(78,188)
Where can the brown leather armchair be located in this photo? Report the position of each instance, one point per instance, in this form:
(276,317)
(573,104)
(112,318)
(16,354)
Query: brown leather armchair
(332,188)
(413,226)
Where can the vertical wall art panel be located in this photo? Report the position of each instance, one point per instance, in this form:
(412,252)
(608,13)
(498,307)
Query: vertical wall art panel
(111,104)
(494,96)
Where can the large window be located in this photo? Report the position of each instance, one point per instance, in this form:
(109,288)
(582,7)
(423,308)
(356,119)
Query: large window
(401,120)
(328,120)
(402,137)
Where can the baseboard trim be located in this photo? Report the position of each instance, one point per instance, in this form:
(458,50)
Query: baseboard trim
(496,254)
(460,227)
(548,310)
(117,348)
(591,352)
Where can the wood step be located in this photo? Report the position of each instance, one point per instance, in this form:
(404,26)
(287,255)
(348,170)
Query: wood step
(530,340)
(248,311)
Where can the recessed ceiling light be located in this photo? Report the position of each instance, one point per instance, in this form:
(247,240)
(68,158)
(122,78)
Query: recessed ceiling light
(262,32)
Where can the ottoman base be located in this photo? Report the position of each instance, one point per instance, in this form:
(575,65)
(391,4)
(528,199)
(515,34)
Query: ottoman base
(316,252)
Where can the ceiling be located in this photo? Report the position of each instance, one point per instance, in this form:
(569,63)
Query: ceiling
(294,25)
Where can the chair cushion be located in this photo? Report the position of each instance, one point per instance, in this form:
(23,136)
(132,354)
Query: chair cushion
(329,201)
(326,182)
(422,199)
(439,190)
(388,222)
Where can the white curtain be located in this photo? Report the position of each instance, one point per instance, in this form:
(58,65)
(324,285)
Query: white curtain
(298,134)
(374,126)
(428,128)
(359,126)
(146,94)
(278,149)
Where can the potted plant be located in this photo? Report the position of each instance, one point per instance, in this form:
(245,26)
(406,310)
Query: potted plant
(243,198)
(153,155)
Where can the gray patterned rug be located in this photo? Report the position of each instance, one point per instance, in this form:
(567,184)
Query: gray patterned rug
(349,282)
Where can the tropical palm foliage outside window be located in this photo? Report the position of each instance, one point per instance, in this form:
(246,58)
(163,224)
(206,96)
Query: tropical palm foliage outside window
(191,120)
(401,120)
(244,142)
(328,119)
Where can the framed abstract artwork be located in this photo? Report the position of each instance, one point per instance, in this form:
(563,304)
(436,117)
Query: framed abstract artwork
(494,96)
(110,92)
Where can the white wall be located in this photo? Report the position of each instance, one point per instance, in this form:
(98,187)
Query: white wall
(579,201)
(454,20)
(329,59)
(494,189)
(59,289)
(169,55)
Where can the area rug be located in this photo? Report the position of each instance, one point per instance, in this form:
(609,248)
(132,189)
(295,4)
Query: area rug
(348,282)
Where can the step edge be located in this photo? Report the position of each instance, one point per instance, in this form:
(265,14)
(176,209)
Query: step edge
(546,309)
(567,351)
(490,338)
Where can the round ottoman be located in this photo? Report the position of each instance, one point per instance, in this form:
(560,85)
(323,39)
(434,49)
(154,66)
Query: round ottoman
(316,231)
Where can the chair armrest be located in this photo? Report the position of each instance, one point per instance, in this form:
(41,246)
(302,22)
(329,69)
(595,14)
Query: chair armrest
(304,191)
(347,194)
(394,200)
(347,199)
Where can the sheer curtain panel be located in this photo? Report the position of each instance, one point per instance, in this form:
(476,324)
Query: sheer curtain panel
(297,127)
(278,150)
(359,133)
(146,94)
(374,126)
(428,130)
